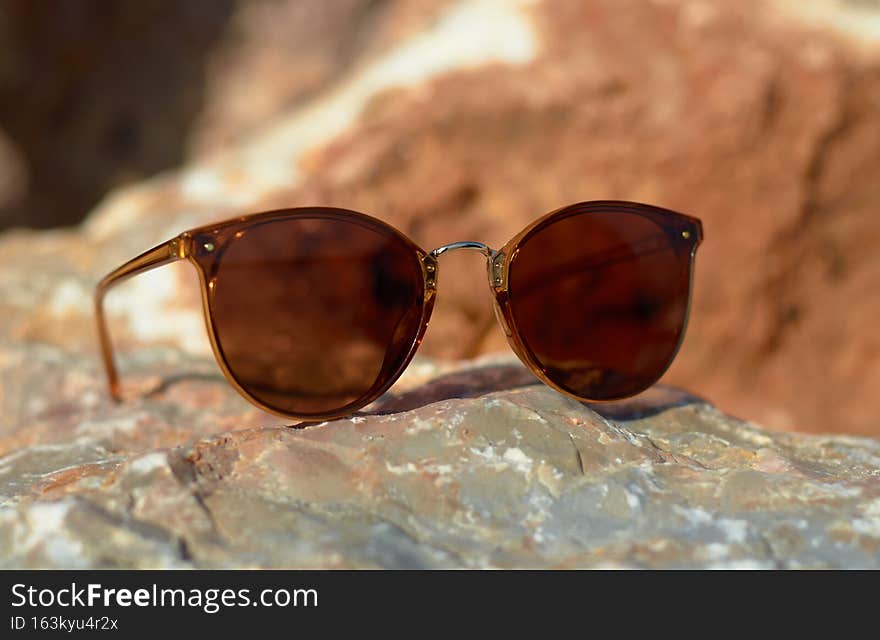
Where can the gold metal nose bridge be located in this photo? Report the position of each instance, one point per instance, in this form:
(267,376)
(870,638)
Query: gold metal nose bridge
(494,259)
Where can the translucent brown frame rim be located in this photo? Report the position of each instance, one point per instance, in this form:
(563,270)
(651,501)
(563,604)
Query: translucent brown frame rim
(193,245)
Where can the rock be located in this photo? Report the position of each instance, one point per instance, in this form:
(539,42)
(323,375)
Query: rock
(472,466)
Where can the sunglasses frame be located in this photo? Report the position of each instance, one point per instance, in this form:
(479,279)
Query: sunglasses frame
(203,248)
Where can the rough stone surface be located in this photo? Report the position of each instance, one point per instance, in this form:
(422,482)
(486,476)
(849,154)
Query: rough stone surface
(476,466)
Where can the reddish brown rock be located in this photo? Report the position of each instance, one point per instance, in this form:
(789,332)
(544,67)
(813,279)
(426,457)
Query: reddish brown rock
(765,128)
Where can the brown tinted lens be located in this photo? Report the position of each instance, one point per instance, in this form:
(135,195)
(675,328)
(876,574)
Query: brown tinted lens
(313,313)
(600,298)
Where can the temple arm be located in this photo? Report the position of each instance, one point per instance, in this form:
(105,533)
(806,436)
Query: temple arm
(156,257)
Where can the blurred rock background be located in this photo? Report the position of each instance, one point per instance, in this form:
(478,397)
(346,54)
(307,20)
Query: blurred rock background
(124,123)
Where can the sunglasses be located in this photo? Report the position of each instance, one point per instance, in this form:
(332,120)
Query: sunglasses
(314,312)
